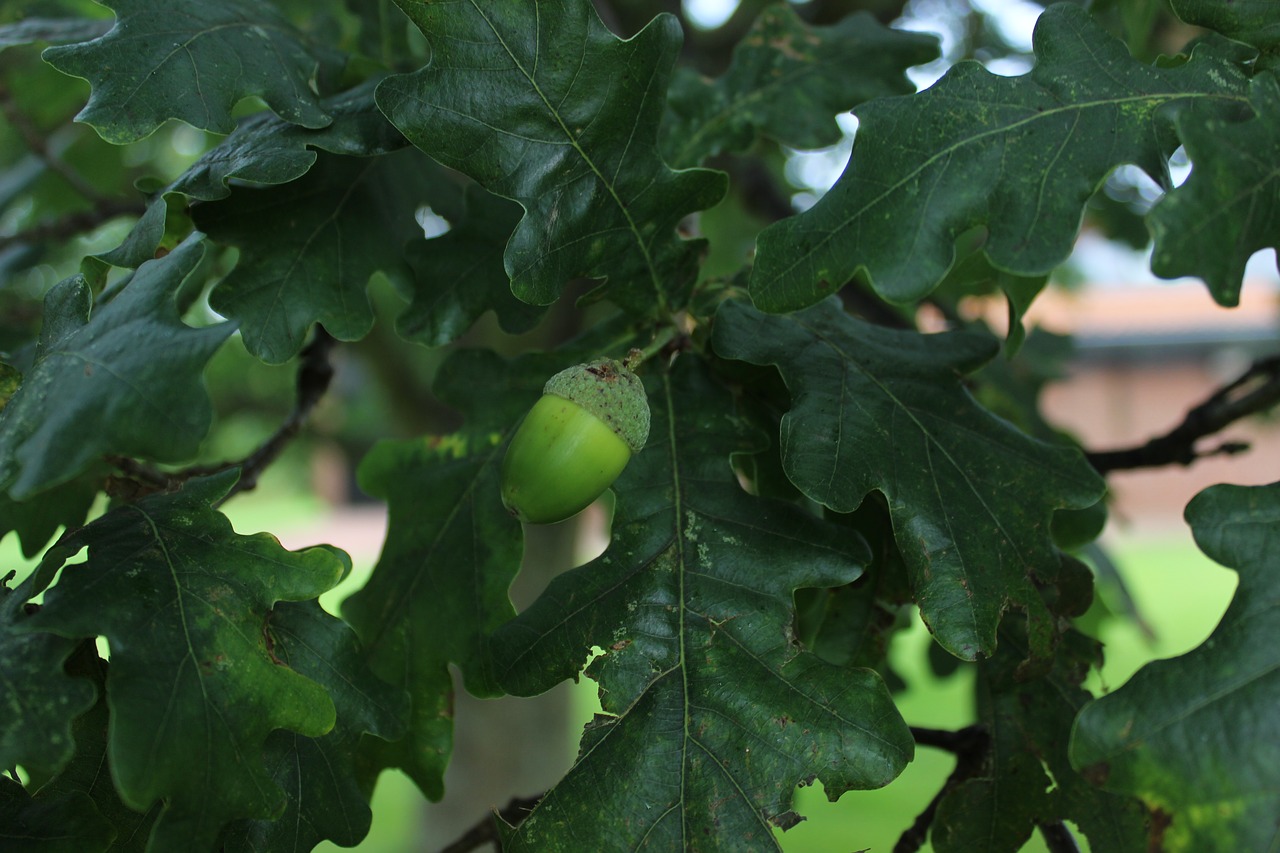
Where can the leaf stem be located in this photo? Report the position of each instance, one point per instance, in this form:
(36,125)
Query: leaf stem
(639,356)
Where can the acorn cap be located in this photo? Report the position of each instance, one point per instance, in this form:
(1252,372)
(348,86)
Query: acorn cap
(609,390)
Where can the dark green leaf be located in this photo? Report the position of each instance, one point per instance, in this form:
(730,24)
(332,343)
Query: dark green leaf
(308,248)
(194,689)
(89,773)
(971,497)
(1190,735)
(713,713)
(36,520)
(63,824)
(1229,207)
(459,276)
(266,150)
(193,62)
(38,700)
(319,775)
(788,80)
(440,585)
(540,103)
(1251,21)
(1025,779)
(93,389)
(1042,143)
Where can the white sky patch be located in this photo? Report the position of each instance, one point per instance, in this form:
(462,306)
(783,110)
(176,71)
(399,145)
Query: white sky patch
(1013,19)
(709,14)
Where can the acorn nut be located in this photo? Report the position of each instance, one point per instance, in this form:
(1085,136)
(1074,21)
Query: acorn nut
(575,441)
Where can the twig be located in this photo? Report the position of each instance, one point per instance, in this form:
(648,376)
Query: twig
(960,741)
(72,224)
(38,145)
(1058,838)
(1255,391)
(486,830)
(970,747)
(315,372)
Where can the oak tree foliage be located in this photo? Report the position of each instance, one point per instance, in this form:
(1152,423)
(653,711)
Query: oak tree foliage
(282,182)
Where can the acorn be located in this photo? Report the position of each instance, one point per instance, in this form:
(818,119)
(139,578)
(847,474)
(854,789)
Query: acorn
(575,441)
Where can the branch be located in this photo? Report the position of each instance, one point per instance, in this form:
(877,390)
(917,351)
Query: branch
(1058,838)
(1254,392)
(970,747)
(315,372)
(73,224)
(486,830)
(39,146)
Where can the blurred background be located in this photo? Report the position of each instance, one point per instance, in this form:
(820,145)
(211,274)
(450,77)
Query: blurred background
(1137,353)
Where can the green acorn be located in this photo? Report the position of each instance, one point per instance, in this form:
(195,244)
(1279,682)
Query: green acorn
(575,441)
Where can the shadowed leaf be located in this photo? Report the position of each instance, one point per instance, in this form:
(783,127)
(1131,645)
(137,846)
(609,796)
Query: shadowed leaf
(970,496)
(1188,734)
(713,713)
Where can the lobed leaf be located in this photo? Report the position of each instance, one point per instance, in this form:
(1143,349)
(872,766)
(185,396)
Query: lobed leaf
(788,80)
(1025,779)
(194,688)
(85,783)
(1043,143)
(66,505)
(38,699)
(1187,734)
(320,775)
(265,150)
(93,389)
(713,713)
(971,497)
(540,103)
(309,247)
(459,276)
(440,585)
(1229,207)
(1251,21)
(67,824)
(193,62)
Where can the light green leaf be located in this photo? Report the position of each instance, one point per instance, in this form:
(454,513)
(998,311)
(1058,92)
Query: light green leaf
(1194,736)
(193,62)
(1229,207)
(788,80)
(194,689)
(93,389)
(1043,144)
(540,103)
(713,713)
(970,496)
